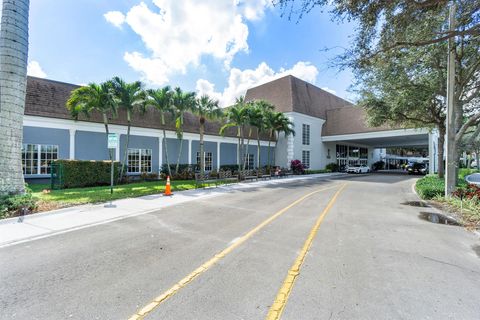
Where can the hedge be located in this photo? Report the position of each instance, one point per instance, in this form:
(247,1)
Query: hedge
(78,173)
(430,187)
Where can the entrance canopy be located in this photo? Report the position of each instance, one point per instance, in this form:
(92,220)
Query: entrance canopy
(385,139)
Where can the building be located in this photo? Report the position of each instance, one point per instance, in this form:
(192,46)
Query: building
(328,129)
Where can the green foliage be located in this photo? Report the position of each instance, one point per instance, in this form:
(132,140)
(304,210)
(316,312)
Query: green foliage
(12,205)
(332,167)
(317,171)
(185,171)
(77,173)
(430,186)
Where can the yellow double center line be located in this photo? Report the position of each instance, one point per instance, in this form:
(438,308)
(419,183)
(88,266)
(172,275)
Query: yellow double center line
(280,302)
(140,314)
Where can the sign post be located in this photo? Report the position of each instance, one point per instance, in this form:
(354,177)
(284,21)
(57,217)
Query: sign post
(112,145)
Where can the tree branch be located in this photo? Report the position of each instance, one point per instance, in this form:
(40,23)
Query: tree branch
(466,125)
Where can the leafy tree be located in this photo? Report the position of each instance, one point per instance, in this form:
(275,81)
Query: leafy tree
(282,125)
(205,108)
(13,83)
(408,91)
(387,28)
(161,99)
(182,102)
(237,116)
(131,97)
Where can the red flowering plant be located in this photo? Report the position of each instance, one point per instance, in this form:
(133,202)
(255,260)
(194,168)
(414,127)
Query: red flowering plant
(297,167)
(470,192)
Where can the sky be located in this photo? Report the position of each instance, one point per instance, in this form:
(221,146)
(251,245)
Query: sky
(215,47)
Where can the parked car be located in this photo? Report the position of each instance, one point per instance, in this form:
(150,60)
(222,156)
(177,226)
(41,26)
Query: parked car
(418,168)
(358,168)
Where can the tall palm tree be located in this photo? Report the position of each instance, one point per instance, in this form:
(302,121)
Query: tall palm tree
(131,97)
(205,108)
(93,97)
(282,125)
(258,120)
(271,118)
(161,99)
(13,83)
(182,102)
(236,116)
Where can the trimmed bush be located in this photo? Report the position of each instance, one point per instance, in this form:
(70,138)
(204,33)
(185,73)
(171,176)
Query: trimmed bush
(332,167)
(12,205)
(78,173)
(430,186)
(317,171)
(297,167)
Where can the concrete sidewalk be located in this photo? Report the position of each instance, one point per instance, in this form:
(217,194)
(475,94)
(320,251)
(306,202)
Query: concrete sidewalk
(36,226)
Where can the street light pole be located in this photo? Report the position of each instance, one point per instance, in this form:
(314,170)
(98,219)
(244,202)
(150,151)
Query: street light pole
(451,145)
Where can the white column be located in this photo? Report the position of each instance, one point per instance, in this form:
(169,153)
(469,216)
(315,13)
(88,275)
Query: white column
(431,153)
(72,144)
(189,151)
(218,156)
(160,153)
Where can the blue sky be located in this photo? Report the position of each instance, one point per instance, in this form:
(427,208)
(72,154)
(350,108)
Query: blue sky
(219,47)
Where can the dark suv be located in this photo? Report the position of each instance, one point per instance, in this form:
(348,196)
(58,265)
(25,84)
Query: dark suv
(418,168)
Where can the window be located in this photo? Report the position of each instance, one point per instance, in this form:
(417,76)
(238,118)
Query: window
(208,160)
(139,160)
(306,158)
(341,151)
(306,134)
(364,153)
(249,163)
(353,152)
(36,158)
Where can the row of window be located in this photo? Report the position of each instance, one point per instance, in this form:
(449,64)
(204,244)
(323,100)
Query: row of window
(36,159)
(344,152)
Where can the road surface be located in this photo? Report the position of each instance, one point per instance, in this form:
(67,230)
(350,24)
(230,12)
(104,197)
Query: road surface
(373,256)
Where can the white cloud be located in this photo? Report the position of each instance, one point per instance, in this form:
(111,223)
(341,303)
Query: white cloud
(35,70)
(115,17)
(241,80)
(178,33)
(329,90)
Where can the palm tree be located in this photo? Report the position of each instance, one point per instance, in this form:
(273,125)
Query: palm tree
(258,120)
(205,108)
(271,118)
(93,97)
(182,102)
(161,99)
(13,83)
(282,125)
(128,96)
(237,117)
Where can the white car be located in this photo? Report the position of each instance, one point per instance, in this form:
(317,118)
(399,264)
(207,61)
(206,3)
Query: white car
(357,168)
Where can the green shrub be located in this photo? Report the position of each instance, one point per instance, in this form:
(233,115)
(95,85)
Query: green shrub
(317,171)
(78,173)
(332,167)
(430,187)
(11,205)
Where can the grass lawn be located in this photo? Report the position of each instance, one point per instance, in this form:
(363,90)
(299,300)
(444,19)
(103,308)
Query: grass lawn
(68,197)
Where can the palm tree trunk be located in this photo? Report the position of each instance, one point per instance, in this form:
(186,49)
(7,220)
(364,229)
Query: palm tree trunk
(238,153)
(124,162)
(164,144)
(268,152)
(13,82)
(105,123)
(202,151)
(258,149)
(179,156)
(245,158)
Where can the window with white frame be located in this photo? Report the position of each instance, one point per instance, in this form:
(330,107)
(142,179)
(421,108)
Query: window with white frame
(36,158)
(249,161)
(306,158)
(208,160)
(139,160)
(306,134)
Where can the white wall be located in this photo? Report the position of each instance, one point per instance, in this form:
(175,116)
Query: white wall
(291,148)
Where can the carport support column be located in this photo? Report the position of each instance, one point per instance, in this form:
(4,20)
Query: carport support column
(72,144)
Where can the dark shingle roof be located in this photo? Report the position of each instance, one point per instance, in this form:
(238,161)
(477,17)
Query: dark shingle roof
(290,94)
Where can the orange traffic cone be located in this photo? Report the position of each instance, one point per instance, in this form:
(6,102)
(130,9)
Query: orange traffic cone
(168,190)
